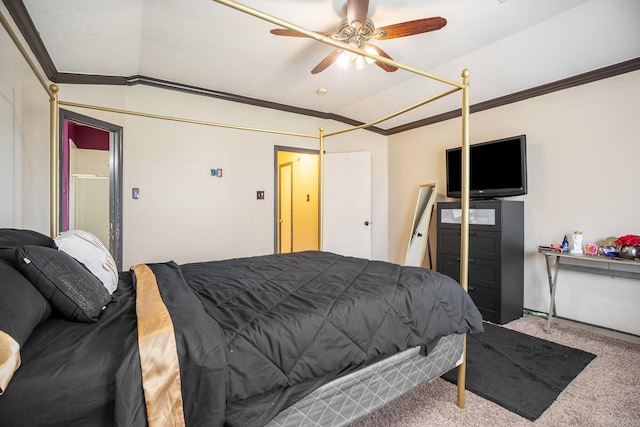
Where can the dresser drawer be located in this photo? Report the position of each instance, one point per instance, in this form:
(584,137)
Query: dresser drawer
(482,272)
(482,244)
(483,215)
(487,301)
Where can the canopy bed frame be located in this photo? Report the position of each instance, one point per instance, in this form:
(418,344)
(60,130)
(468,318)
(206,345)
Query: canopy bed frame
(462,86)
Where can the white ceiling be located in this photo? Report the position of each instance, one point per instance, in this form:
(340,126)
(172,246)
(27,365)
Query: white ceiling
(508,46)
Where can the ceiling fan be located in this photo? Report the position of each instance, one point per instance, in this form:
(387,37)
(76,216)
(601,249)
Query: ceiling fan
(357,29)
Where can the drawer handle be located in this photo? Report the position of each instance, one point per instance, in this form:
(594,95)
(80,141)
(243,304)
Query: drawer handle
(471,261)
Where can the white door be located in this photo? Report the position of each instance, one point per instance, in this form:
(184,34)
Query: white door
(347,204)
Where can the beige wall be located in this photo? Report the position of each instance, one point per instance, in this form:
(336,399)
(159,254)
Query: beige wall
(24,136)
(183,213)
(583,152)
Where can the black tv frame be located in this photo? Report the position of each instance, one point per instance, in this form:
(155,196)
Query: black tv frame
(454,175)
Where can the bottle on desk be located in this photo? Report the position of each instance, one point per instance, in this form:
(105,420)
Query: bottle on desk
(565,245)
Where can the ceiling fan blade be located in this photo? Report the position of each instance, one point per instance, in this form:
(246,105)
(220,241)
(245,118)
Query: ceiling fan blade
(410,28)
(357,10)
(291,33)
(328,60)
(386,67)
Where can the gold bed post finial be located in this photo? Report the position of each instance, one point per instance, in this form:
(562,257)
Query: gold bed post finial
(464,230)
(53,161)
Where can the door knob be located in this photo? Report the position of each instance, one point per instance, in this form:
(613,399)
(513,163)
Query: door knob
(366,223)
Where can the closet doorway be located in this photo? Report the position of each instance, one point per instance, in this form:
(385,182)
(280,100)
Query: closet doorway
(346,225)
(297,200)
(91,179)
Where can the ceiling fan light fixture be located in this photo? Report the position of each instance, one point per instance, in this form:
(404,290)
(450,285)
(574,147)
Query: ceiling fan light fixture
(347,57)
(356,25)
(372,51)
(356,30)
(362,62)
(344,59)
(379,33)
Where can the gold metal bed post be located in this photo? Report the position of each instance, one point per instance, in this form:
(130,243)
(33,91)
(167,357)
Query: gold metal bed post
(321,188)
(54,162)
(464,230)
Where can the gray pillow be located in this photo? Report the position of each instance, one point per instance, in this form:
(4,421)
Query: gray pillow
(69,287)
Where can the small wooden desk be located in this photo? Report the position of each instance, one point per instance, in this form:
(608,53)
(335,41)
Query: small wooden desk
(597,264)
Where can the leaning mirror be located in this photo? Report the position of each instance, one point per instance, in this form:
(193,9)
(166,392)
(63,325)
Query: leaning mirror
(419,236)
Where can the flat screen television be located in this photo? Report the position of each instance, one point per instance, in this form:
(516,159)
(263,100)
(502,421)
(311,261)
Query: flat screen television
(498,168)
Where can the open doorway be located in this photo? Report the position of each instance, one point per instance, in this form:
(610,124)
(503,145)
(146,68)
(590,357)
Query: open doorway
(296,209)
(91,179)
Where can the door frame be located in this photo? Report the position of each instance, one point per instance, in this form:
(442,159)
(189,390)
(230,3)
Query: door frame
(115,176)
(276,150)
(279,211)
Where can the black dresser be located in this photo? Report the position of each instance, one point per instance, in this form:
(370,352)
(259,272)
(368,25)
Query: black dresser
(496,254)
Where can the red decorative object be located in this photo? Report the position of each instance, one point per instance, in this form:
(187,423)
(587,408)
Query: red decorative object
(629,239)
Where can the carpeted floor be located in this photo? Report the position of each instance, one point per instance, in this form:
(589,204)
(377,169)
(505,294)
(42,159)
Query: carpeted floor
(519,372)
(604,394)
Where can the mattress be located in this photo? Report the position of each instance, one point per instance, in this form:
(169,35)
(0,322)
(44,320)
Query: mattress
(359,393)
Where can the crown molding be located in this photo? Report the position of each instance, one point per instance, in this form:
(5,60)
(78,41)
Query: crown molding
(24,23)
(569,82)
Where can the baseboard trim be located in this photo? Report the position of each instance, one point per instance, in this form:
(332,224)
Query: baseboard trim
(612,333)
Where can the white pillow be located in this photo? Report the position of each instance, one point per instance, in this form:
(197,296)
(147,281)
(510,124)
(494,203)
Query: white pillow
(89,250)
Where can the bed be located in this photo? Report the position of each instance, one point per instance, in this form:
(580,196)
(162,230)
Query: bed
(241,342)
(307,345)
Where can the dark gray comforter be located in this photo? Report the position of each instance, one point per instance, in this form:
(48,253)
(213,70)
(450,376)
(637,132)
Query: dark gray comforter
(253,336)
(293,322)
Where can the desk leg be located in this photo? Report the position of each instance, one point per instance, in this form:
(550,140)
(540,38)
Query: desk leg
(552,287)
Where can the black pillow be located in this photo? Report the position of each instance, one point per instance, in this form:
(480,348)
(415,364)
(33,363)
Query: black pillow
(11,238)
(14,237)
(69,287)
(22,308)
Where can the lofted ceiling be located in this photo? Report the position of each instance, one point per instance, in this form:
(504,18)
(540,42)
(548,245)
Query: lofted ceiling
(508,45)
